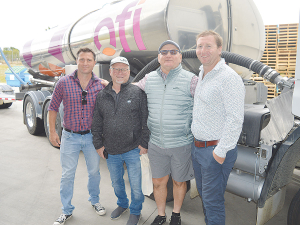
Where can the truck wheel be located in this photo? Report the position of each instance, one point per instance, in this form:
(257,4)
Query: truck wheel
(33,123)
(170,190)
(58,127)
(294,210)
(5,105)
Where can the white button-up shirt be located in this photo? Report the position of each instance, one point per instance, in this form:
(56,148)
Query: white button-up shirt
(218,112)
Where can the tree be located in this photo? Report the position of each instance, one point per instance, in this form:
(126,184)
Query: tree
(11,53)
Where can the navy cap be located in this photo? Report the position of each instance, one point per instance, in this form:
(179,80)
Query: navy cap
(167,43)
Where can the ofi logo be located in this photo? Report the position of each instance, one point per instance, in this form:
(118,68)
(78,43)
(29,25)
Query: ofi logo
(109,23)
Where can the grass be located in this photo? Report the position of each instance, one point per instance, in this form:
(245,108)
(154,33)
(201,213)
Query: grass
(4,67)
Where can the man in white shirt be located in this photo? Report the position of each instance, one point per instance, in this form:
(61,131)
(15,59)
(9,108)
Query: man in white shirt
(218,116)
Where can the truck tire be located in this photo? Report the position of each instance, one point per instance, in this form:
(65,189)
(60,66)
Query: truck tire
(58,127)
(34,124)
(5,105)
(294,210)
(170,190)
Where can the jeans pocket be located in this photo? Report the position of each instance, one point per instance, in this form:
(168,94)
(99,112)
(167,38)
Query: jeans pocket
(66,134)
(204,155)
(137,151)
(213,160)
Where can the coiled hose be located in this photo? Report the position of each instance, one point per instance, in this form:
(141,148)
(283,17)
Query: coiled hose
(251,64)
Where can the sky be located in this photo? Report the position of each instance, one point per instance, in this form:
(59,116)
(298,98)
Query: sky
(22,20)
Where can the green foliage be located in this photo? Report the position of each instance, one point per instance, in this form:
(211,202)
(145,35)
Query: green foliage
(11,54)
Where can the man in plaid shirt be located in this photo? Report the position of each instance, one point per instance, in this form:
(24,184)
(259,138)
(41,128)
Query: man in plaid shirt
(78,93)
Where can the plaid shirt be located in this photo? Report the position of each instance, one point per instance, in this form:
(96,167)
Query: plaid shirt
(142,83)
(77,117)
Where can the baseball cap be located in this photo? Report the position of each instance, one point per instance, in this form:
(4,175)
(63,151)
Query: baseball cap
(119,59)
(169,42)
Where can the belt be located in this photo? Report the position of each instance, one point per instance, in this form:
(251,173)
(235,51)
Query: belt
(78,132)
(204,144)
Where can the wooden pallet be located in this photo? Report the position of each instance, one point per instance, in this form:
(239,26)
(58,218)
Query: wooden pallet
(286,62)
(288,36)
(271,30)
(270,53)
(293,32)
(271,36)
(287,39)
(289,75)
(280,53)
(287,45)
(288,26)
(272,89)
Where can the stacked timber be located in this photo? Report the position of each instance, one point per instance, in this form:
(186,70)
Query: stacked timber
(287,49)
(269,57)
(280,53)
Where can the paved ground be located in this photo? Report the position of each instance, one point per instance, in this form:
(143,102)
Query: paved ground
(29,185)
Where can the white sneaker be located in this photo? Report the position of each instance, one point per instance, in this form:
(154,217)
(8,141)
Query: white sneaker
(100,210)
(62,219)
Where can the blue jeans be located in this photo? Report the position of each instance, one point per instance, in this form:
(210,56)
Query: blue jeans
(71,145)
(116,169)
(211,179)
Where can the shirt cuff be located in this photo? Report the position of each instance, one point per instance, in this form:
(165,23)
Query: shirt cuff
(219,152)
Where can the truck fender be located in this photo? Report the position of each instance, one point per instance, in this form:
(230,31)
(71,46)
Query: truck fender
(48,98)
(38,98)
(281,166)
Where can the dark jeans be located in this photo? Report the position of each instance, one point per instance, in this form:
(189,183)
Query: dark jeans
(211,179)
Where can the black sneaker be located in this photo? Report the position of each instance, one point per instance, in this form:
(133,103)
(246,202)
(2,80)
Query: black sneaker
(175,220)
(159,220)
(62,219)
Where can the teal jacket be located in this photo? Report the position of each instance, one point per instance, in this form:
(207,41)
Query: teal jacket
(170,106)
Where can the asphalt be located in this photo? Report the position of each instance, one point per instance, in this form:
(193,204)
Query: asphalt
(30,174)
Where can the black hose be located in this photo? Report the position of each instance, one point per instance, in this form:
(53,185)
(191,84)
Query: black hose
(151,66)
(250,64)
(229,57)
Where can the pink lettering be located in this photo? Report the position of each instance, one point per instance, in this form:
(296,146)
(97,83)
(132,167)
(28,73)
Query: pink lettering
(121,19)
(125,15)
(137,31)
(107,22)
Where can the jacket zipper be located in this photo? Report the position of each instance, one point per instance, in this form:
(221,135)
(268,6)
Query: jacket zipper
(161,119)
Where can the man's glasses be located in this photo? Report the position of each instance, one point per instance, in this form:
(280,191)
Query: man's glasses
(117,70)
(165,52)
(83,99)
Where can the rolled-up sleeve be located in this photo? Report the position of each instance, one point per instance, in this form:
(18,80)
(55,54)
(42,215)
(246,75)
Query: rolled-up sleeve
(57,97)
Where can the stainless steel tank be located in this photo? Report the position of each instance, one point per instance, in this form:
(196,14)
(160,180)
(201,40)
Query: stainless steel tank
(136,28)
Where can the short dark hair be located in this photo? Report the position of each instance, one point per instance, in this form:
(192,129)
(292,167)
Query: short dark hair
(86,50)
(218,38)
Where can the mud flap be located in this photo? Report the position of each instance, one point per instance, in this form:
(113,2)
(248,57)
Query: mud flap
(272,206)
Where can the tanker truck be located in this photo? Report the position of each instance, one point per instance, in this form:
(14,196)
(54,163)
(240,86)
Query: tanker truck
(269,144)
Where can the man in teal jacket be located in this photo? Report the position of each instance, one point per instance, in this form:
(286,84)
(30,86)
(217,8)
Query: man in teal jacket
(170,91)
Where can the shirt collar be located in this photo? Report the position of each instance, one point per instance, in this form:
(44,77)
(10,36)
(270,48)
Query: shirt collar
(216,68)
(74,74)
(174,71)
